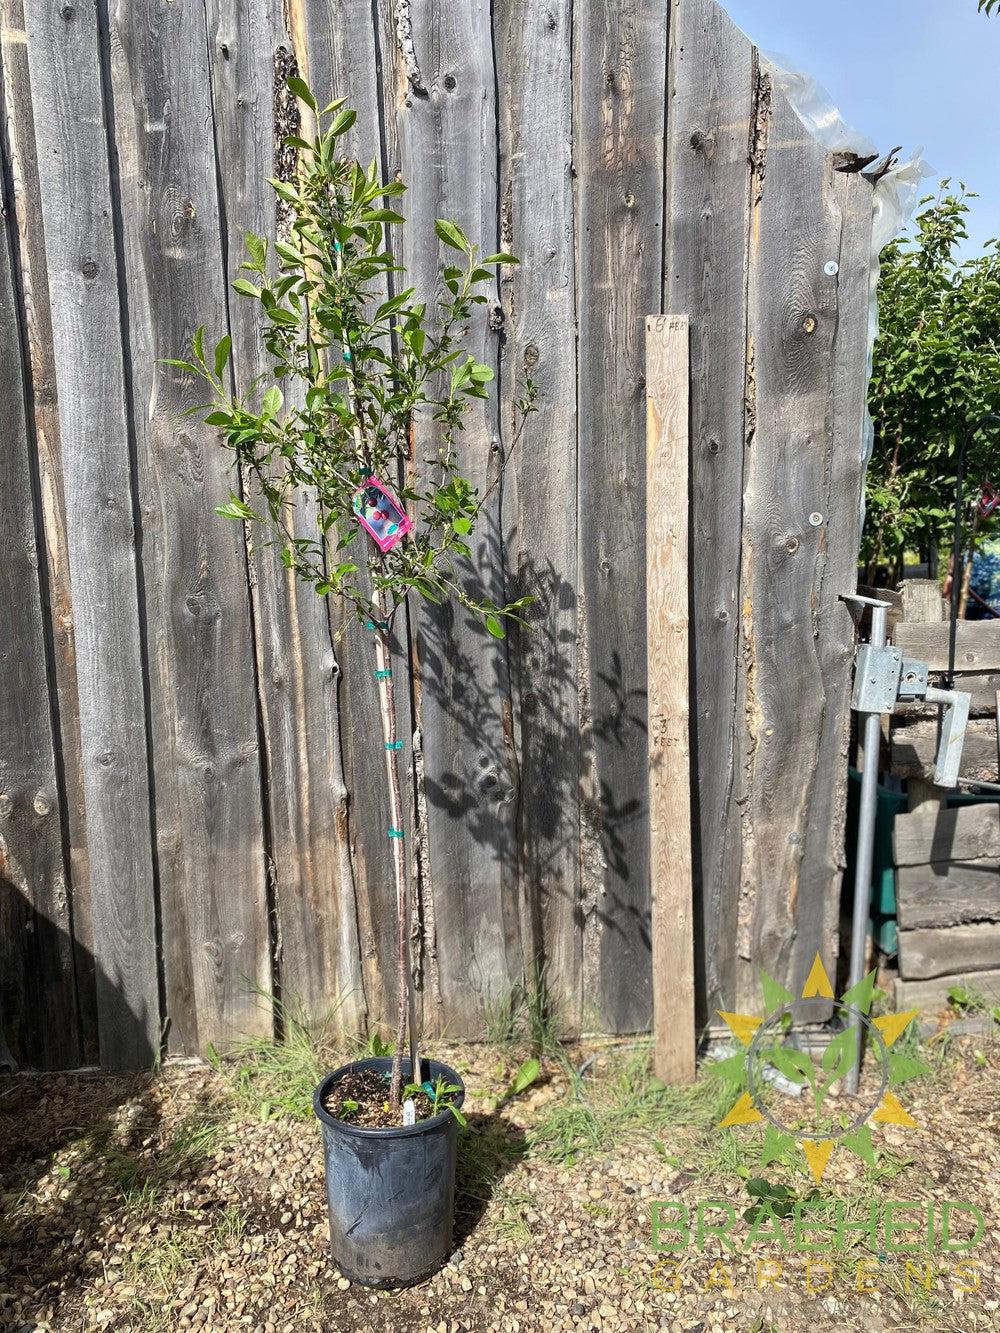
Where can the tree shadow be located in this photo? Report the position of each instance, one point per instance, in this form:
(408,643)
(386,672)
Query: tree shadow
(520,740)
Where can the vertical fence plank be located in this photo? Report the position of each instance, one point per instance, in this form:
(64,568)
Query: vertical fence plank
(448,135)
(40,366)
(75,199)
(796,677)
(711,75)
(667,450)
(342,54)
(298,674)
(202,692)
(620,90)
(38,1021)
(534,45)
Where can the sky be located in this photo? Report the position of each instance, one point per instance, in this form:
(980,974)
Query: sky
(922,73)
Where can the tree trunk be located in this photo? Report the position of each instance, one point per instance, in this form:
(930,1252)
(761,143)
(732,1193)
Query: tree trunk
(405,1004)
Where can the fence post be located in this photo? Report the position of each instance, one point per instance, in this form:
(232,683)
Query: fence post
(667,649)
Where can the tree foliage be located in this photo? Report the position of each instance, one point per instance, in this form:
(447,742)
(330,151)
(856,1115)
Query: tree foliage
(352,368)
(988,6)
(936,368)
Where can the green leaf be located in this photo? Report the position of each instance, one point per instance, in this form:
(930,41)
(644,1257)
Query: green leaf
(463,526)
(198,344)
(236,508)
(528,1072)
(218,419)
(794,1064)
(860,1143)
(256,248)
(903,1067)
(222,350)
(343,121)
(495,627)
(382,215)
(452,235)
(862,994)
(246,288)
(272,401)
(775,995)
(501,258)
(302,91)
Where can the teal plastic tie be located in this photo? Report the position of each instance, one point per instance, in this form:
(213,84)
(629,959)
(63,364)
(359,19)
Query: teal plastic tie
(394,745)
(347,354)
(377,624)
(395,833)
(428,1087)
(383,674)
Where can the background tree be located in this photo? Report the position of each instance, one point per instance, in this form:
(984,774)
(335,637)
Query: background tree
(936,367)
(355,358)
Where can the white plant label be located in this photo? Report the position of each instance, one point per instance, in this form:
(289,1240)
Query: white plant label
(409,1112)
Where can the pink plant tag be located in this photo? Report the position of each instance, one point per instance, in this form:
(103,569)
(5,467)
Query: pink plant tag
(380,514)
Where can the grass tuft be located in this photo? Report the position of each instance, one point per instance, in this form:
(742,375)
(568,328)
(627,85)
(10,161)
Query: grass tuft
(526,1016)
(266,1078)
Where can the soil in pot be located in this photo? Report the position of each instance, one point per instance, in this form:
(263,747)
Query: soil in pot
(362,1098)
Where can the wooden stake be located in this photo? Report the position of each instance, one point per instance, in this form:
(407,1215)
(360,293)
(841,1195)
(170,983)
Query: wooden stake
(667,657)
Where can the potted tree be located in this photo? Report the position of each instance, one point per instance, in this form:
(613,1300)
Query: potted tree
(355,356)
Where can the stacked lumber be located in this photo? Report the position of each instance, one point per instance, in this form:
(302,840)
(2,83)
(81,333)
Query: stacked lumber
(947,859)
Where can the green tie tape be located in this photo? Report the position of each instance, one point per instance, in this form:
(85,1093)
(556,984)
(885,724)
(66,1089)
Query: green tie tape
(377,624)
(394,745)
(383,674)
(395,833)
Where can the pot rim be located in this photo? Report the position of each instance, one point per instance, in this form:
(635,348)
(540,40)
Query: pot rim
(382,1062)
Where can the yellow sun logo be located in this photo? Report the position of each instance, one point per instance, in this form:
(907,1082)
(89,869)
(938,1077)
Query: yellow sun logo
(776,1060)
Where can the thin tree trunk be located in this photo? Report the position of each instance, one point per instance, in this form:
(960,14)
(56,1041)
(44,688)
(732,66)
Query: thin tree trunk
(405,1000)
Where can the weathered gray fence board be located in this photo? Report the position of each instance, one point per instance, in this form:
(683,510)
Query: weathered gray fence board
(948,893)
(40,367)
(711,74)
(206,768)
(75,198)
(932,833)
(793,565)
(977,644)
(932,994)
(37,991)
(342,57)
(448,150)
(914,748)
(621,95)
(937,953)
(298,674)
(560,131)
(534,51)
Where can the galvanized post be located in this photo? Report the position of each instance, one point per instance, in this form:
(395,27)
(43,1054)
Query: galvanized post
(864,851)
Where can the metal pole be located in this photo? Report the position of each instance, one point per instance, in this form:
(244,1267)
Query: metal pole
(867,811)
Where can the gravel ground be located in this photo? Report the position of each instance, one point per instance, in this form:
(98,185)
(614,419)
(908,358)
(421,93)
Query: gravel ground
(178,1202)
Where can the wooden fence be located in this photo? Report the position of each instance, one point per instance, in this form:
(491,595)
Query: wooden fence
(190,802)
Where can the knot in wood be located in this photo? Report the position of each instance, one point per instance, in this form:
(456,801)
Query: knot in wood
(809,324)
(714,446)
(89,268)
(791,545)
(450,82)
(531,355)
(68,13)
(42,804)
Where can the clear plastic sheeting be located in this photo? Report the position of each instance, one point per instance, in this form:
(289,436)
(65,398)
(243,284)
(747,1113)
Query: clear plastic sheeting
(896,194)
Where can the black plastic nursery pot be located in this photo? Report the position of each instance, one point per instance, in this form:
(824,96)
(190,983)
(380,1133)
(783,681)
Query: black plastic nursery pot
(391,1192)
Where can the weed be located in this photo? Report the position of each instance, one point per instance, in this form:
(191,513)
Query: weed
(625,1099)
(526,1016)
(231,1225)
(265,1078)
